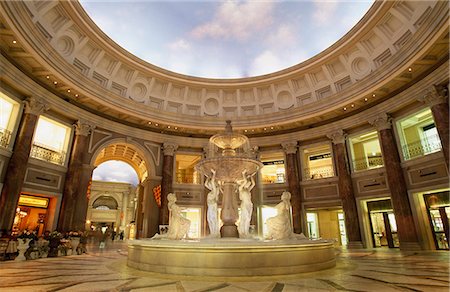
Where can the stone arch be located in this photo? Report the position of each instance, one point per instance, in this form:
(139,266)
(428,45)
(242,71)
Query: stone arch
(127,146)
(106,200)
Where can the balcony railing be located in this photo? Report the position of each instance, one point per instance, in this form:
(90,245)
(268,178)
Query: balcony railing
(319,172)
(187,178)
(421,147)
(42,152)
(5,136)
(367,163)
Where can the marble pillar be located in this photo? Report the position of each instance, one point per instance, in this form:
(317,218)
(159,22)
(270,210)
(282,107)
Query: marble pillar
(15,172)
(346,190)
(74,200)
(406,229)
(436,99)
(293,180)
(139,212)
(167,180)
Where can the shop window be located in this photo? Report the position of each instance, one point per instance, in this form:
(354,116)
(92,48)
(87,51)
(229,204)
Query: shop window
(185,169)
(342,230)
(383,224)
(193,214)
(438,207)
(273,170)
(9,110)
(366,151)
(317,162)
(50,141)
(313,225)
(418,135)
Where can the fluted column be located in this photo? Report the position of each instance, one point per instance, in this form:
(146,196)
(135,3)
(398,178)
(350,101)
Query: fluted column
(290,148)
(346,190)
(15,172)
(167,180)
(436,99)
(406,229)
(72,214)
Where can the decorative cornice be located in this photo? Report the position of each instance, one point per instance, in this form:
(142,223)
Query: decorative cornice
(337,137)
(35,105)
(289,147)
(381,122)
(169,149)
(83,128)
(434,95)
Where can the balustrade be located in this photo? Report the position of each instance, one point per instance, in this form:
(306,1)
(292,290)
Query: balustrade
(421,147)
(319,172)
(5,137)
(367,163)
(43,152)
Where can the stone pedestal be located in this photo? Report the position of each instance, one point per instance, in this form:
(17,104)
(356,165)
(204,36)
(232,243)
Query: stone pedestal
(293,184)
(167,181)
(346,191)
(229,213)
(15,172)
(406,229)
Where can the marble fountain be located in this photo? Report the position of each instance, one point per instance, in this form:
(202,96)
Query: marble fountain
(232,252)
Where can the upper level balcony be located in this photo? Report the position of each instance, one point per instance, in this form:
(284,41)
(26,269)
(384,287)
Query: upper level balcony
(44,152)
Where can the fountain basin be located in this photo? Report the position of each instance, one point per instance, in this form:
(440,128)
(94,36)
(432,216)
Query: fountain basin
(231,257)
(228,169)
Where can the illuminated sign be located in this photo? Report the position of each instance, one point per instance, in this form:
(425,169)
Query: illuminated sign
(33,201)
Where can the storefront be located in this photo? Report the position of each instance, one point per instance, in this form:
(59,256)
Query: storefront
(383,224)
(438,209)
(31,214)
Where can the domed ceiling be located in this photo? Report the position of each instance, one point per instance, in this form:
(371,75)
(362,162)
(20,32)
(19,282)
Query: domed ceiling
(230,39)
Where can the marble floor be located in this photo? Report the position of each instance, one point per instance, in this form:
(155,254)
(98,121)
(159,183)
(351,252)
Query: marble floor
(105,270)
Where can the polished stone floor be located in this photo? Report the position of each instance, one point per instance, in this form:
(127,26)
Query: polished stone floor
(105,270)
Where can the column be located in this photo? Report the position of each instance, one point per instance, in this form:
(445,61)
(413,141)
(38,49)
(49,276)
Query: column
(167,180)
(72,215)
(139,213)
(406,229)
(346,190)
(15,172)
(290,148)
(436,99)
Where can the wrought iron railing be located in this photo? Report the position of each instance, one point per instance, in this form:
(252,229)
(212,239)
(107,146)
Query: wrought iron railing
(319,172)
(421,147)
(43,152)
(367,163)
(5,137)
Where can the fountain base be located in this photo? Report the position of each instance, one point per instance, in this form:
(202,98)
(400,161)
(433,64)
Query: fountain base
(230,257)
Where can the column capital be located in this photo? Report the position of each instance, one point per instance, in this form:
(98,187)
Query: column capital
(289,147)
(169,148)
(337,137)
(36,105)
(83,128)
(434,95)
(381,122)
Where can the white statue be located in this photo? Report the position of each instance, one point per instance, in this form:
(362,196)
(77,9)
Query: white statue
(212,184)
(245,186)
(280,226)
(178,225)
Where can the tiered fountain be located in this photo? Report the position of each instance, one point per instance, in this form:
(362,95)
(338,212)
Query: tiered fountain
(229,155)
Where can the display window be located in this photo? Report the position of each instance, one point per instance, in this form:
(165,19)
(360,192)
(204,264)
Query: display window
(50,141)
(185,172)
(317,162)
(365,151)
(418,135)
(9,110)
(273,170)
(31,214)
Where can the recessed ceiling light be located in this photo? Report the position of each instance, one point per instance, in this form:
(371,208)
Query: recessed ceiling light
(253,130)
(55,82)
(76,95)
(68,90)
(409,69)
(271,128)
(345,108)
(48,76)
(245,131)
(373,95)
(265,129)
(149,123)
(353,105)
(14,42)
(365,99)
(157,125)
(176,128)
(168,127)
